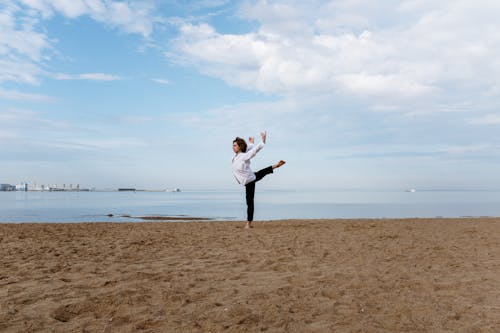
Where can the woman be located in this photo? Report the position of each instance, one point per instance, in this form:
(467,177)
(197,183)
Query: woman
(243,173)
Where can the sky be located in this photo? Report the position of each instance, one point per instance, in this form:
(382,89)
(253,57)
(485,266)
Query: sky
(354,94)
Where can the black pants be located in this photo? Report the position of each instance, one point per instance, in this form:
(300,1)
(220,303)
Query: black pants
(250,190)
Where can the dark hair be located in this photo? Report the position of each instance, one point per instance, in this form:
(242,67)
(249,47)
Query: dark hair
(241,143)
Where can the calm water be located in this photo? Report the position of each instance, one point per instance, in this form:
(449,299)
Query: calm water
(230,205)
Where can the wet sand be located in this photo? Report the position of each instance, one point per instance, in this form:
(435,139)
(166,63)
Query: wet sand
(411,275)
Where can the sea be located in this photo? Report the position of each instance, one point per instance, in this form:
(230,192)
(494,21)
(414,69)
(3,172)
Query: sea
(114,206)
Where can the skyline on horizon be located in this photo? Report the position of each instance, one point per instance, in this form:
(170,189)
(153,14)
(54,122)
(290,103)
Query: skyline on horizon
(353,94)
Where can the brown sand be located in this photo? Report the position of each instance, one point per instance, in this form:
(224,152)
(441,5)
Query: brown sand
(412,275)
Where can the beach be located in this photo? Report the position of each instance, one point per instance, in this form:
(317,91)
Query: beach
(359,275)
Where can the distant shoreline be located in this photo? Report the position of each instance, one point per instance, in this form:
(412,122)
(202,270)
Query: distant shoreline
(195,219)
(59,190)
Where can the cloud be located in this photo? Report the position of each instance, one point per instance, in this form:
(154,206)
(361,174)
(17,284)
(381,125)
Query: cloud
(21,120)
(21,47)
(395,53)
(390,151)
(131,17)
(7,134)
(84,144)
(161,81)
(278,64)
(20,71)
(383,85)
(209,3)
(20,40)
(27,132)
(88,76)
(489,119)
(20,96)
(26,49)
(259,115)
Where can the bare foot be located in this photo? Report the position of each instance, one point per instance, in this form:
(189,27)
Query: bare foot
(277,165)
(248,225)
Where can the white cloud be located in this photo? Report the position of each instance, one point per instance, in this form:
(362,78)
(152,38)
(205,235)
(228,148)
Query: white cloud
(21,47)
(391,53)
(209,3)
(21,119)
(71,8)
(283,118)
(105,144)
(132,17)
(383,85)
(20,96)
(7,134)
(489,119)
(19,71)
(161,81)
(24,47)
(22,125)
(20,41)
(474,148)
(99,77)
(412,151)
(88,76)
(16,115)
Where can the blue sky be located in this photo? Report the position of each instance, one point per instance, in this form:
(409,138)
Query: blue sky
(150,94)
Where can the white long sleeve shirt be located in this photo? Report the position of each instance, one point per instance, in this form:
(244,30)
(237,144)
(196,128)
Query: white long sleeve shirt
(241,164)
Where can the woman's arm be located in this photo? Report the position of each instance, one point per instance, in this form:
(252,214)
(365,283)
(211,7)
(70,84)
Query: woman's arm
(252,150)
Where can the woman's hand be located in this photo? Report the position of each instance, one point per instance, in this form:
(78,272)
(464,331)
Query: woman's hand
(263,135)
(250,139)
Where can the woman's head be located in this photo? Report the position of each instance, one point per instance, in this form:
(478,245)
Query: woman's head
(239,145)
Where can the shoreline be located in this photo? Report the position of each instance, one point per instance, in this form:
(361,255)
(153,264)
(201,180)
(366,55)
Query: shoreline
(376,275)
(202,219)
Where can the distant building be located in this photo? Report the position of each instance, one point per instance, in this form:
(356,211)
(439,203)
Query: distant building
(22,187)
(26,186)
(7,187)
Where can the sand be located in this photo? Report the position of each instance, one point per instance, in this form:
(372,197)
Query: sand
(411,275)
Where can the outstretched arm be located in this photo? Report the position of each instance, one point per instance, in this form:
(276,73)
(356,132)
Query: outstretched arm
(252,149)
(250,144)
